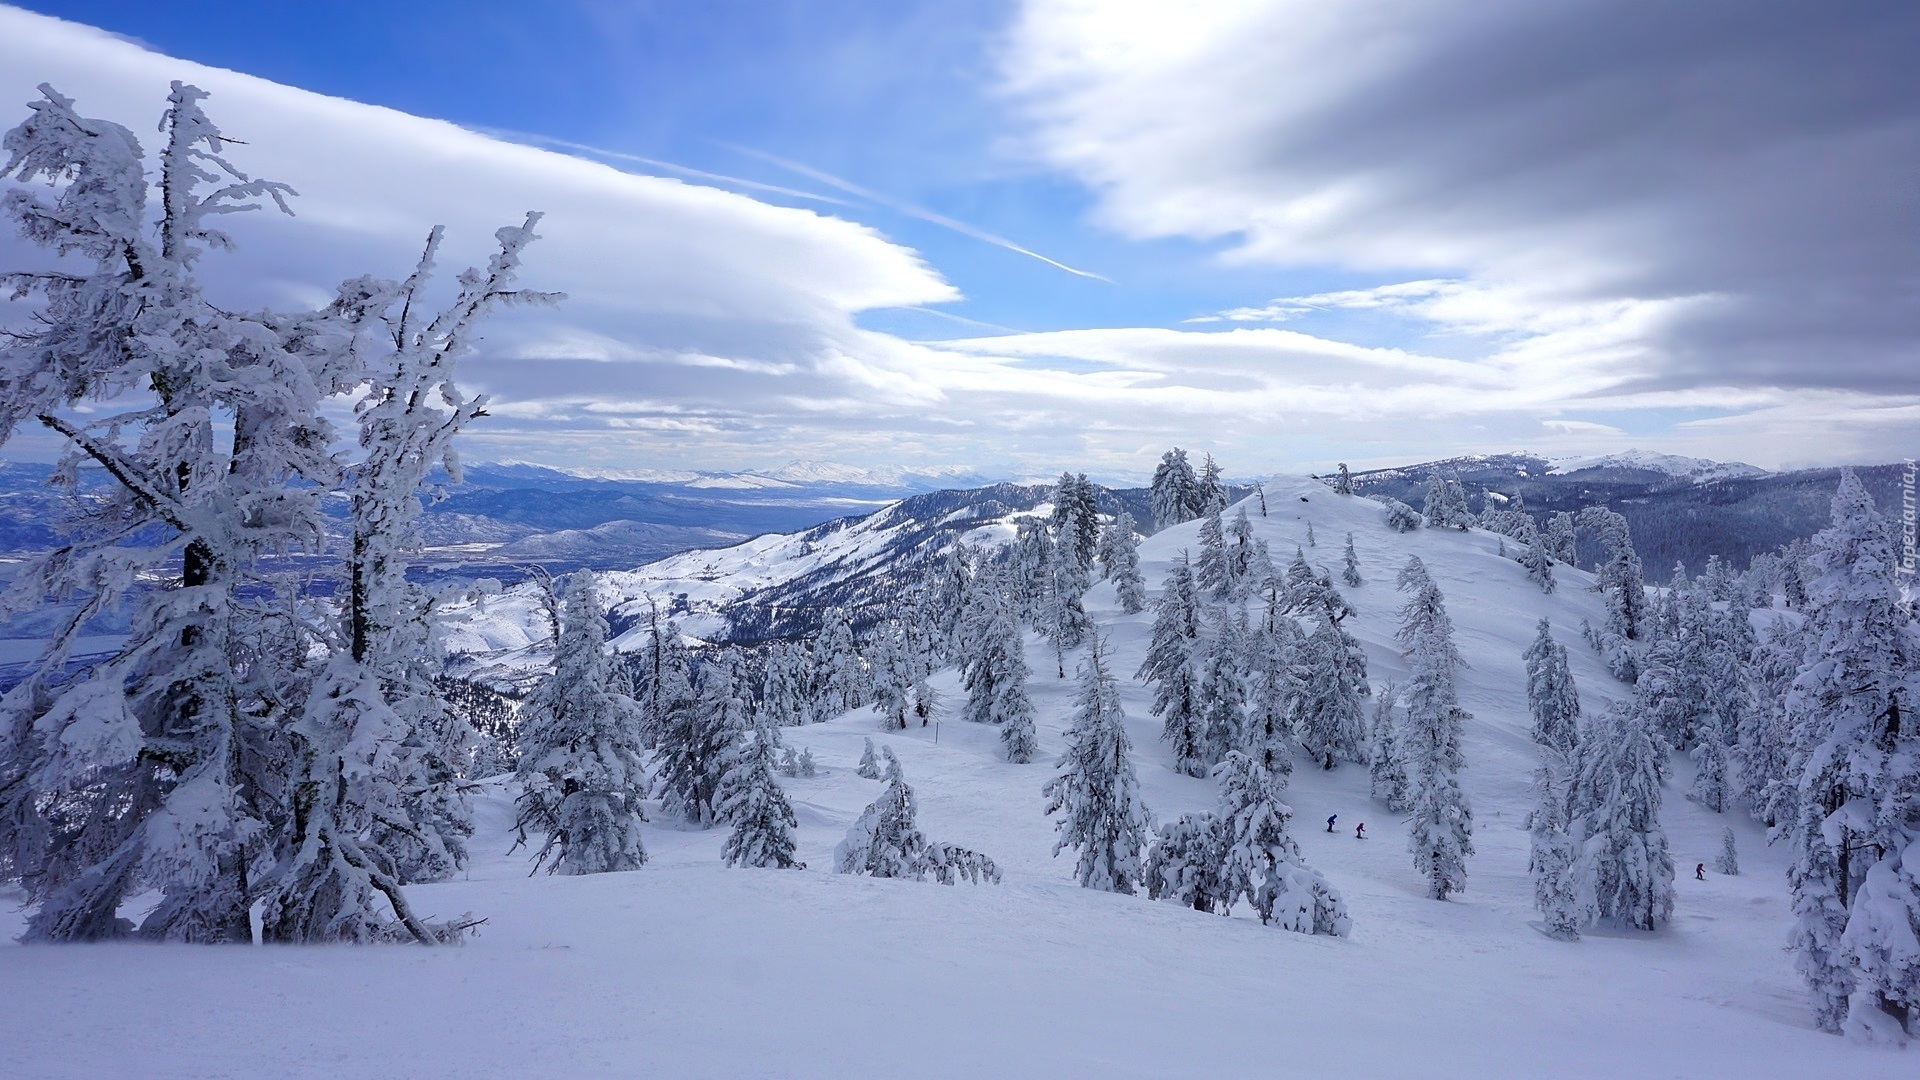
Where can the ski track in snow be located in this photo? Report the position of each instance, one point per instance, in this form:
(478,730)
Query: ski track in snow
(689,969)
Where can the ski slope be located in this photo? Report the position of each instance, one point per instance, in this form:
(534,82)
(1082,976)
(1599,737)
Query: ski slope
(689,969)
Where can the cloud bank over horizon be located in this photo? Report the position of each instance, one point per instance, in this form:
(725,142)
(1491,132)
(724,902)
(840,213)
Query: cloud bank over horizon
(1511,276)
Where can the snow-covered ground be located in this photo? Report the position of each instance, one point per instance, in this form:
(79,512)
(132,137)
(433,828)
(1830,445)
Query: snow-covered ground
(689,969)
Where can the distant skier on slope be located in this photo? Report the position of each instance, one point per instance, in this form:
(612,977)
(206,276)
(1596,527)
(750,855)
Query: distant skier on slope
(1360,831)
(1699,871)
(1331,818)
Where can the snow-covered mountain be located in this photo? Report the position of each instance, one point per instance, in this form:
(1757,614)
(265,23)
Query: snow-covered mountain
(685,967)
(1695,469)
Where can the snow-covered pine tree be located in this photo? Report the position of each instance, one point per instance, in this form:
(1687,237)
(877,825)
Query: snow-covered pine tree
(887,842)
(1561,537)
(1172,667)
(696,746)
(1174,494)
(1242,554)
(1351,572)
(1856,872)
(582,763)
(1311,540)
(1262,863)
(1223,687)
(1446,505)
(1619,578)
(893,675)
(1440,833)
(840,678)
(1275,685)
(750,798)
(1537,560)
(1120,560)
(1764,744)
(1076,518)
(662,675)
(995,676)
(869,767)
(1554,859)
(1709,754)
(1096,792)
(1728,861)
(1386,767)
(1331,719)
(1064,618)
(783,689)
(1343,481)
(1627,864)
(1212,571)
(1185,862)
(1551,695)
(1210,490)
(1400,516)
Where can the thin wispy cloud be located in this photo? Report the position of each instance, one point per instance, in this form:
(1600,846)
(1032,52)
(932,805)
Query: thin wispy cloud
(909,209)
(534,139)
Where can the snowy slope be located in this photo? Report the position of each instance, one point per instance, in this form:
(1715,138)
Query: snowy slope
(688,969)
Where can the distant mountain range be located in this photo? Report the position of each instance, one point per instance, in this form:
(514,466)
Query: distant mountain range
(1680,509)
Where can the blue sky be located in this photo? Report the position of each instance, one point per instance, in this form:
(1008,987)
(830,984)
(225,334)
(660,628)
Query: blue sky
(1379,231)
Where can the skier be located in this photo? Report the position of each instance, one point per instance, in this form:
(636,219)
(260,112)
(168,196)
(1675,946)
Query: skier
(1331,818)
(1360,832)
(1699,871)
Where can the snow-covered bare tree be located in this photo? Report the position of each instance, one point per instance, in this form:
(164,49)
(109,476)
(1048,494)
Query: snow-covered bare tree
(1096,792)
(582,762)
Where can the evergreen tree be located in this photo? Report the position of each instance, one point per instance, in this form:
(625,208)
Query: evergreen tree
(1212,570)
(840,677)
(1728,861)
(1446,505)
(1557,883)
(1627,864)
(1076,519)
(1386,767)
(886,842)
(1096,791)
(1175,492)
(1186,862)
(1619,577)
(1223,693)
(1120,560)
(582,763)
(1440,833)
(1211,492)
(1064,618)
(1709,756)
(1351,573)
(1562,539)
(1764,744)
(869,767)
(1275,688)
(1551,696)
(1331,718)
(750,798)
(1857,837)
(995,677)
(1343,481)
(1170,666)
(1537,560)
(1263,864)
(1400,516)
(665,681)
(696,746)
